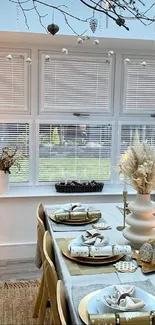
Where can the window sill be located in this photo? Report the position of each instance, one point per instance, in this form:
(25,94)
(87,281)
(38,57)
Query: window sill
(49,191)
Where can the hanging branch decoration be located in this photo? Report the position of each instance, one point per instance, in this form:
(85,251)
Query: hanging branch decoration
(119,11)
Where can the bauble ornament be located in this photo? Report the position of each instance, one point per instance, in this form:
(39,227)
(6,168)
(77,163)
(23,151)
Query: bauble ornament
(146,252)
(53,29)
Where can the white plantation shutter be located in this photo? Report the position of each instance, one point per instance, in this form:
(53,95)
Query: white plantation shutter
(133,134)
(65,150)
(14,135)
(13,83)
(76,84)
(139,85)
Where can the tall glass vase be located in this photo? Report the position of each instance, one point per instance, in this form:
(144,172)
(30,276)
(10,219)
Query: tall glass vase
(141,221)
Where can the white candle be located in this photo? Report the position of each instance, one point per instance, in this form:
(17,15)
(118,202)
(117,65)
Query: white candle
(66,176)
(78,176)
(125,185)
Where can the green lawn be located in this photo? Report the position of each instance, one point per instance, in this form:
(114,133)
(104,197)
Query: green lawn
(53,169)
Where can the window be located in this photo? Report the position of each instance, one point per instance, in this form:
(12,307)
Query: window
(70,84)
(133,134)
(72,150)
(75,128)
(14,89)
(139,85)
(14,135)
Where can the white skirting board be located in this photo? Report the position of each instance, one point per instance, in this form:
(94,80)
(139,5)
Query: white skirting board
(17,251)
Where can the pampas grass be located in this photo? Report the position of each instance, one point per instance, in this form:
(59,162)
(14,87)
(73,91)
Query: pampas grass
(138,165)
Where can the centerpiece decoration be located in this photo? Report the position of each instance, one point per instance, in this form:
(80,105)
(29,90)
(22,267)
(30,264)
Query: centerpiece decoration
(138,166)
(8,158)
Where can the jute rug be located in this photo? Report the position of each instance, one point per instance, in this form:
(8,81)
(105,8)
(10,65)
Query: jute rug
(17,301)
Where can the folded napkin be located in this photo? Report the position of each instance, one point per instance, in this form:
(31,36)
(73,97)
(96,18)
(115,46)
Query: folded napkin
(123,298)
(75,212)
(94,237)
(93,251)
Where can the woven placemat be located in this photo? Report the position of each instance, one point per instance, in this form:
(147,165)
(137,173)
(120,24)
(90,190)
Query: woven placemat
(82,269)
(79,292)
(60,227)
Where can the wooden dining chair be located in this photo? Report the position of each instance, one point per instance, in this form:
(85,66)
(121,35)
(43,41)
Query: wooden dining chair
(40,235)
(50,286)
(62,304)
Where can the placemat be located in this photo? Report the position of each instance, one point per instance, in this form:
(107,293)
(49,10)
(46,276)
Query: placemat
(60,227)
(82,269)
(79,292)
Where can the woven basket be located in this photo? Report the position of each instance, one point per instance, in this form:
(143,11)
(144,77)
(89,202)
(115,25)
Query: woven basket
(75,187)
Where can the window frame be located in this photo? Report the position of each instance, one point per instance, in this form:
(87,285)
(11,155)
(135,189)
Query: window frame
(72,56)
(42,121)
(125,111)
(27,71)
(31,160)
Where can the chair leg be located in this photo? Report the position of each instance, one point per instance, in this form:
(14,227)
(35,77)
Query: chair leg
(39,298)
(42,310)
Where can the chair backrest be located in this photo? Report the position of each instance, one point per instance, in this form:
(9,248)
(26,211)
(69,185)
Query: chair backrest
(51,277)
(62,304)
(40,229)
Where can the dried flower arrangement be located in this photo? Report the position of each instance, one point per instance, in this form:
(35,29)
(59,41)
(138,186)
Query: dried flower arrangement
(9,158)
(138,165)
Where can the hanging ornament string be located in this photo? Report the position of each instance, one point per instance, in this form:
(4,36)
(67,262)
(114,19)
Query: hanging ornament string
(11,61)
(100,19)
(17,13)
(107,8)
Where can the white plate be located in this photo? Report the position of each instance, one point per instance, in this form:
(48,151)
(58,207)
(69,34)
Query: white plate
(102,306)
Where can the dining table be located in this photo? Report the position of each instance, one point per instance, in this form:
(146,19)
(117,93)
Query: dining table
(78,286)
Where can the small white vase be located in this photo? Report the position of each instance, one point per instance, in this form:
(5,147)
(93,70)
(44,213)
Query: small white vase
(4,182)
(141,222)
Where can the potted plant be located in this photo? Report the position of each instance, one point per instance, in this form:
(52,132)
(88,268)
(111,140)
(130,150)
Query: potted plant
(138,166)
(9,157)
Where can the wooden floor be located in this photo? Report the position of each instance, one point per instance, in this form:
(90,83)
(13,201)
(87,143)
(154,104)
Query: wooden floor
(19,270)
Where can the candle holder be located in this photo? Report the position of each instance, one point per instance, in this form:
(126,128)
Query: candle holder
(125,194)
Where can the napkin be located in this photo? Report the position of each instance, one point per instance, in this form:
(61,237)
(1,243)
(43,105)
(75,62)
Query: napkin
(94,237)
(123,298)
(75,211)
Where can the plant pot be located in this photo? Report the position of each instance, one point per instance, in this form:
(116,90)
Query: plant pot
(4,182)
(141,221)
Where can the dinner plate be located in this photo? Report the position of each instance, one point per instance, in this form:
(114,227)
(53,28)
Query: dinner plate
(82,308)
(103,307)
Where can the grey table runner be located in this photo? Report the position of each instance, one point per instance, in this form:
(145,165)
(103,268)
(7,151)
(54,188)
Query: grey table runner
(79,292)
